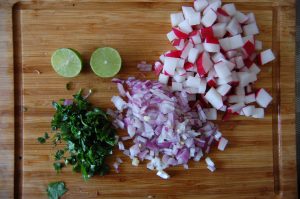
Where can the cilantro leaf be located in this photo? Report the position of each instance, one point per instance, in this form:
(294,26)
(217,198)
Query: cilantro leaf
(58,166)
(56,189)
(41,140)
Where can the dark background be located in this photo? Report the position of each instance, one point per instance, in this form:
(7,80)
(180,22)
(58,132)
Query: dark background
(298,87)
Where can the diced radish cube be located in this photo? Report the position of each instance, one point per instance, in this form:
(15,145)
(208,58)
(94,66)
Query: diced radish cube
(211,113)
(248,48)
(173,53)
(171,36)
(214,98)
(163,79)
(244,69)
(200,5)
(210,47)
(222,16)
(225,44)
(212,6)
(236,99)
(190,90)
(236,42)
(180,71)
(212,73)
(206,32)
(193,55)
(266,57)
(217,57)
(240,91)
(236,107)
(209,18)
(195,19)
(193,82)
(180,63)
(231,54)
(254,68)
(176,18)
(222,144)
(245,78)
(217,135)
(180,33)
(185,26)
(248,110)
(179,78)
(263,98)
(258,113)
(202,86)
(224,89)
(234,27)
(223,108)
(187,11)
(176,86)
(186,50)
(239,62)
(248,38)
(170,65)
(251,18)
(219,29)
(211,82)
(222,70)
(250,29)
(241,17)
(192,69)
(250,98)
(221,81)
(199,47)
(204,63)
(187,66)
(196,39)
(178,44)
(209,162)
(258,45)
(229,9)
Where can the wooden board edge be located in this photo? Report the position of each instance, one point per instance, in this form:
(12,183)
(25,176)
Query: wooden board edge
(7,106)
(287,133)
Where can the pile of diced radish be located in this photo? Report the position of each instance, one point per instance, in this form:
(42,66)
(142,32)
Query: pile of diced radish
(217,58)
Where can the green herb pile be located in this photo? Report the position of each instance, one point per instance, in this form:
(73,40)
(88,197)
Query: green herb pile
(88,134)
(56,190)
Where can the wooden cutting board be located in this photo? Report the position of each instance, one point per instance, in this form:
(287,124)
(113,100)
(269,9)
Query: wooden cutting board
(259,161)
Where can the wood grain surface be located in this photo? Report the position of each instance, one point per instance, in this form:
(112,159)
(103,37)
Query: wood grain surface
(259,161)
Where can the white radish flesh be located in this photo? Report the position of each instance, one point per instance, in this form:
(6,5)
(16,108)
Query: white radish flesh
(250,29)
(193,55)
(229,9)
(200,5)
(224,89)
(211,113)
(263,98)
(266,57)
(214,98)
(209,18)
(258,113)
(176,18)
(222,70)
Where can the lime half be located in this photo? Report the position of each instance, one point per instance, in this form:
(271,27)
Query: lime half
(66,62)
(106,62)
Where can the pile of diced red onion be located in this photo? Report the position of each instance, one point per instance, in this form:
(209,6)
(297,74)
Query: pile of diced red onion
(215,65)
(164,128)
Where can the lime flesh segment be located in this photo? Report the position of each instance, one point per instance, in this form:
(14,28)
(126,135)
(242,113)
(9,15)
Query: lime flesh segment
(66,62)
(106,62)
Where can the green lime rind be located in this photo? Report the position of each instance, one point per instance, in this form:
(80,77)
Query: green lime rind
(66,62)
(106,62)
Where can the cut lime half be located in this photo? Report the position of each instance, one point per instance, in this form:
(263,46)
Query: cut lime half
(66,62)
(106,62)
